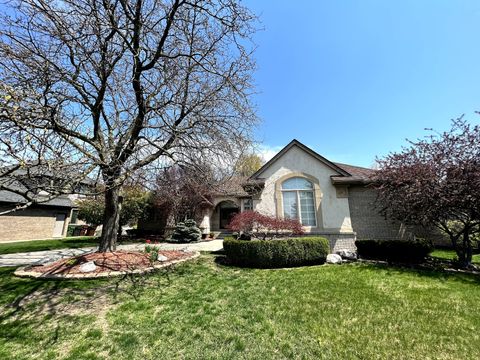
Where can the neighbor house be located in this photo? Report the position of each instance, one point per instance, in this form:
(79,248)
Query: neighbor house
(44,220)
(329,199)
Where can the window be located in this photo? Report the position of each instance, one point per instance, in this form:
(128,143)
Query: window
(247,204)
(298,201)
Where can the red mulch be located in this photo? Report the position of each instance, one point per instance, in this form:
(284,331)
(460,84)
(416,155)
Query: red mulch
(107,262)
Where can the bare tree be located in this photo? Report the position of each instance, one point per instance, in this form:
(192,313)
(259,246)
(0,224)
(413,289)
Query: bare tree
(182,194)
(115,86)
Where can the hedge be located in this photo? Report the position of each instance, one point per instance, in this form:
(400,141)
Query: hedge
(410,251)
(277,253)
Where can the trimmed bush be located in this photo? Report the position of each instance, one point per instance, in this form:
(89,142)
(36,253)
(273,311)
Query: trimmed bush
(409,251)
(277,253)
(186,232)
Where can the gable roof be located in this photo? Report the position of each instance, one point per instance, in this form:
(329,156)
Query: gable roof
(347,174)
(309,151)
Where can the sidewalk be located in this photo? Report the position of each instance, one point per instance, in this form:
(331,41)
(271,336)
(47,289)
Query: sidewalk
(29,258)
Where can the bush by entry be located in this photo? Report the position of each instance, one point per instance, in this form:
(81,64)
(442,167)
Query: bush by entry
(409,251)
(277,253)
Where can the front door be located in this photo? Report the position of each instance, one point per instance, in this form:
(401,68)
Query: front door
(226,216)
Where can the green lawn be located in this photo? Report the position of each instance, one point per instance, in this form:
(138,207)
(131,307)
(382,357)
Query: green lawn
(450,255)
(52,244)
(202,310)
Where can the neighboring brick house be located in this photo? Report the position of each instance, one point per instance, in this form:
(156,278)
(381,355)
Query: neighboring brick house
(45,220)
(330,199)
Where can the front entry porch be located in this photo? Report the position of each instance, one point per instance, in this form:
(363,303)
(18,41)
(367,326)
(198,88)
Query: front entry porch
(223,214)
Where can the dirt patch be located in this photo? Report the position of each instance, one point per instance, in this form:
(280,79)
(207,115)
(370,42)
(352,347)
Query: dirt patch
(106,264)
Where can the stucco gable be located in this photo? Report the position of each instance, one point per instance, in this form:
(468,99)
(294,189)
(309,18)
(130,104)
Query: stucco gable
(295,143)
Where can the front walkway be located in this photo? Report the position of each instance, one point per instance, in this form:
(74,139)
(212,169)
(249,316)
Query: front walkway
(29,258)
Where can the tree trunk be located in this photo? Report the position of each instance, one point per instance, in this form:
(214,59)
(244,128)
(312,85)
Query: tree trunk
(111,220)
(464,250)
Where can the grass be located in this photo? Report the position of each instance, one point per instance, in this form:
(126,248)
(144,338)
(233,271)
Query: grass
(51,244)
(451,255)
(202,310)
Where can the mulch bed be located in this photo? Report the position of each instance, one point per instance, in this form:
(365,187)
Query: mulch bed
(118,261)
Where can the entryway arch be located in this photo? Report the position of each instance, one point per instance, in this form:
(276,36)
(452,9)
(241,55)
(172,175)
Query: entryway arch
(223,213)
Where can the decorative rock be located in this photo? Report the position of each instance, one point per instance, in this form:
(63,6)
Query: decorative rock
(347,254)
(88,267)
(162,258)
(334,259)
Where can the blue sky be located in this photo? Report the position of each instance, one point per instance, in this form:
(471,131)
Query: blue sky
(353,78)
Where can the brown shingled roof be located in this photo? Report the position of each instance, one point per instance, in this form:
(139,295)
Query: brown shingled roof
(357,170)
(232,187)
(360,175)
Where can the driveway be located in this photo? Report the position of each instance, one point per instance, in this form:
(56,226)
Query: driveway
(29,258)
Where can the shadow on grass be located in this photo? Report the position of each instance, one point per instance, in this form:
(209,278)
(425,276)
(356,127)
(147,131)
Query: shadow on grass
(424,270)
(24,300)
(419,270)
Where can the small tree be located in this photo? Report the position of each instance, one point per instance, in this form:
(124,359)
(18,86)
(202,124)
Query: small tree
(183,192)
(91,211)
(187,231)
(436,182)
(253,224)
(135,205)
(248,164)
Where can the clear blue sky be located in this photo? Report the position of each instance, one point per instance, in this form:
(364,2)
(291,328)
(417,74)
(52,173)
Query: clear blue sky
(353,78)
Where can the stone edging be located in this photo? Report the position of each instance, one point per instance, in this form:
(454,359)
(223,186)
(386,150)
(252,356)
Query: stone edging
(24,272)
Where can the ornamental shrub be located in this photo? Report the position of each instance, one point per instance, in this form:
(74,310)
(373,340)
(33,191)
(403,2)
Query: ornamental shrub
(252,224)
(277,253)
(186,231)
(408,251)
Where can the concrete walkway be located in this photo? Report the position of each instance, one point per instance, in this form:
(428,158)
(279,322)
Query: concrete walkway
(39,257)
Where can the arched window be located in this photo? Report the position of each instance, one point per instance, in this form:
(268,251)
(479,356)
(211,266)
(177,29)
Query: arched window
(299,201)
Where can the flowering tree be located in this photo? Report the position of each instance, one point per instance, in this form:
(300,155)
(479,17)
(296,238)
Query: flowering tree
(254,224)
(436,181)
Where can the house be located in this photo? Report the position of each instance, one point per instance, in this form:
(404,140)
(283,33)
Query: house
(43,221)
(329,199)
(48,218)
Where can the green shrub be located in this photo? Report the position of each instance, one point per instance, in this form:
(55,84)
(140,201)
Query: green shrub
(277,253)
(186,231)
(410,251)
(70,230)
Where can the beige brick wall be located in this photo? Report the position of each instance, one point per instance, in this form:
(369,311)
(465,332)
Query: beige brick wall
(369,224)
(29,224)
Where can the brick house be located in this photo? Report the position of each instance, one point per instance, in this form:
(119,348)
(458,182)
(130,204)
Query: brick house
(329,199)
(44,220)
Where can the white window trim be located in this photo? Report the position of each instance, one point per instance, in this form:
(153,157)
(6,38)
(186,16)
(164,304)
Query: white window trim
(299,206)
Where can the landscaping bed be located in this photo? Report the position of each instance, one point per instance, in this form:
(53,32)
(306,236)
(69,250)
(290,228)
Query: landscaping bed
(106,264)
